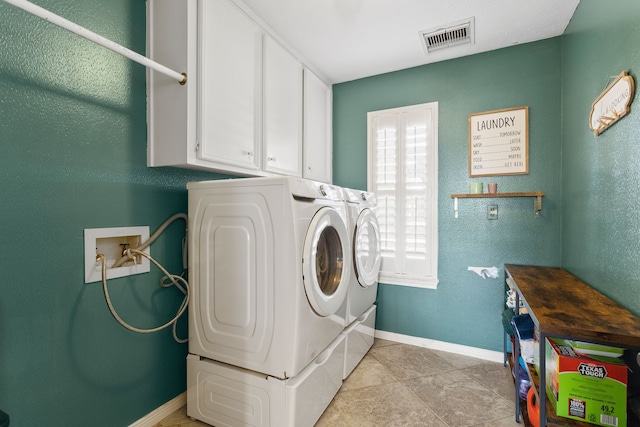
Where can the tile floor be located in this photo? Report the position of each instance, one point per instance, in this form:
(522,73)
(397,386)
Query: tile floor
(403,385)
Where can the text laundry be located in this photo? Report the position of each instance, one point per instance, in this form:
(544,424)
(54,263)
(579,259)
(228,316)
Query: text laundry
(502,122)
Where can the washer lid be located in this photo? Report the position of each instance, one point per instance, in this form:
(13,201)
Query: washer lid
(366,248)
(323,268)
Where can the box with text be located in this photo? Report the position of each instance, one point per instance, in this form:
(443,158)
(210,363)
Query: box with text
(585,387)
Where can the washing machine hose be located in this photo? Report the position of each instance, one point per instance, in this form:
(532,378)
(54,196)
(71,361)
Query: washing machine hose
(167,281)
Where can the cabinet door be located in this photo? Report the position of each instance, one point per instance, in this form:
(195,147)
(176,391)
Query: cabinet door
(317,149)
(282,106)
(229,53)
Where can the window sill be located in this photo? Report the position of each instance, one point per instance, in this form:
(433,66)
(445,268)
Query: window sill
(414,282)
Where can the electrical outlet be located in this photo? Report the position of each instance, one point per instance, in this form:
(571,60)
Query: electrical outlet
(492,212)
(112,242)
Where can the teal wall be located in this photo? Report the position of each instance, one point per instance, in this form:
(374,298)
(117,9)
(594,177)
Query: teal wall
(466,309)
(601,175)
(73,156)
(589,223)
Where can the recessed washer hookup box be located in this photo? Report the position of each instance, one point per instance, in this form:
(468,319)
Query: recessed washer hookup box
(583,387)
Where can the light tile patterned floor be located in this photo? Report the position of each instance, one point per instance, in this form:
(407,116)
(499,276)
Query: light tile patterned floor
(403,385)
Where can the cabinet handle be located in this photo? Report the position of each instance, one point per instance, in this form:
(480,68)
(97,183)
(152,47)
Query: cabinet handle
(250,153)
(271,158)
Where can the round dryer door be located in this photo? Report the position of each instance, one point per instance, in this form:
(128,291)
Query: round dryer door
(323,268)
(366,248)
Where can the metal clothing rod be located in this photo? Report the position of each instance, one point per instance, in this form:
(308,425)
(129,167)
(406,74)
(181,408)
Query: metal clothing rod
(98,39)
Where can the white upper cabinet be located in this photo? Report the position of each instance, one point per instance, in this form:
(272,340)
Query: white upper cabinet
(317,141)
(229,52)
(282,126)
(247,108)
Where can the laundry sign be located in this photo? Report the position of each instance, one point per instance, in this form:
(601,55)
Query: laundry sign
(612,104)
(499,142)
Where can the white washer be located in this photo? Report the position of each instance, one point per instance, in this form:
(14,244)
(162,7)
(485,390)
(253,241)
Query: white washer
(364,233)
(267,270)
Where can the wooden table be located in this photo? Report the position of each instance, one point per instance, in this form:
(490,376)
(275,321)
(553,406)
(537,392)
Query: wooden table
(563,306)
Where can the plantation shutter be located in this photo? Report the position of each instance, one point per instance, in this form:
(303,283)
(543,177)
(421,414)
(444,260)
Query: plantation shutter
(385,128)
(403,174)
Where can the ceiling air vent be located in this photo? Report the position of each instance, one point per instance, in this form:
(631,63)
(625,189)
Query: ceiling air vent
(454,34)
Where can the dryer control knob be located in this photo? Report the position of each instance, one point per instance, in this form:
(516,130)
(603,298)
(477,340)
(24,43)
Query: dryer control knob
(322,190)
(363,196)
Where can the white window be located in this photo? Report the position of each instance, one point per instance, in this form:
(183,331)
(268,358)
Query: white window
(403,173)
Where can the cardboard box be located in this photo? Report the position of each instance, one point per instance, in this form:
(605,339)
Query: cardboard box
(590,388)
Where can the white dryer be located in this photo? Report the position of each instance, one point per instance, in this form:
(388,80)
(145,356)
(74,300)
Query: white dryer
(268,271)
(364,232)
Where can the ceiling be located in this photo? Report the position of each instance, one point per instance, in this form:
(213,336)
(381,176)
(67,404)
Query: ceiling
(351,39)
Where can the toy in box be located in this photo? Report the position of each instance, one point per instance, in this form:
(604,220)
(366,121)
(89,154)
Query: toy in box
(586,387)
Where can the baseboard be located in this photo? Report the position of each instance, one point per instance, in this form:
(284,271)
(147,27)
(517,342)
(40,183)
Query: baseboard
(162,412)
(478,353)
